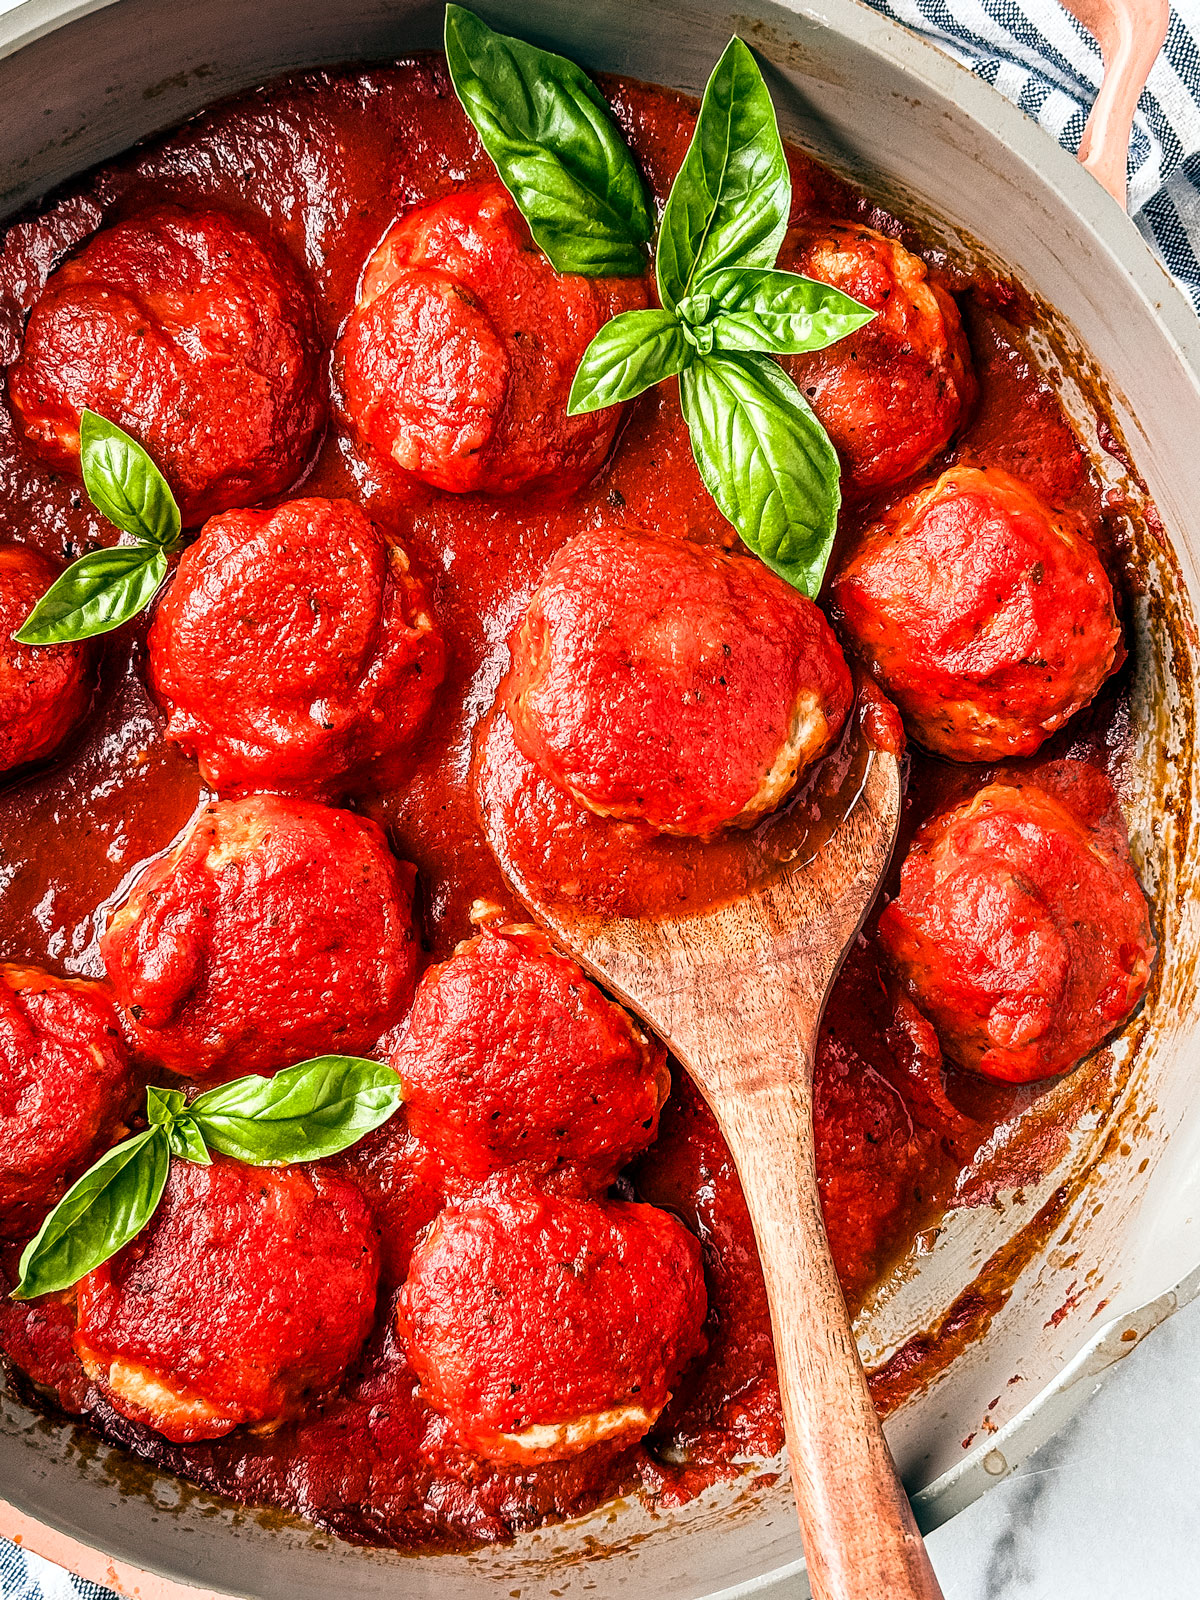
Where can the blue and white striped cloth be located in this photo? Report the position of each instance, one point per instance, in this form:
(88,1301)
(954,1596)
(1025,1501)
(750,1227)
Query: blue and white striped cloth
(1040,58)
(28,1577)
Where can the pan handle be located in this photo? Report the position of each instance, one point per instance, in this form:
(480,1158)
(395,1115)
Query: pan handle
(1130,34)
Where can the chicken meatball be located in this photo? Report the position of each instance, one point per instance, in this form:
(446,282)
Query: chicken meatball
(64,1088)
(250,1288)
(541,1326)
(194,334)
(294,650)
(45,690)
(275,931)
(512,1057)
(657,680)
(986,616)
(891,395)
(457,361)
(1020,930)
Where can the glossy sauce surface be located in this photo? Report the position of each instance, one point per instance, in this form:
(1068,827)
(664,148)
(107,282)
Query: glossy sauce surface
(331,159)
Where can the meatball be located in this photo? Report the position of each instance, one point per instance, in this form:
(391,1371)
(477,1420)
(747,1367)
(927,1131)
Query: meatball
(511,1056)
(657,680)
(1020,930)
(194,334)
(986,616)
(540,1326)
(250,1288)
(45,690)
(275,931)
(294,649)
(891,395)
(64,1088)
(458,359)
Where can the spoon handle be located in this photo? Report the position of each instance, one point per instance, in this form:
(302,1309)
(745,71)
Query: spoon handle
(860,1539)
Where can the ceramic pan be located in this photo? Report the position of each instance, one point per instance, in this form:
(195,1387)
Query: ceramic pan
(1090,1256)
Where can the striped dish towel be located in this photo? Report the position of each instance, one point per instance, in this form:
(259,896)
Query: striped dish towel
(28,1577)
(1040,58)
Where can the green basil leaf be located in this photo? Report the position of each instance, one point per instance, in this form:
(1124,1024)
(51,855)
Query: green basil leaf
(124,484)
(557,150)
(95,594)
(187,1141)
(766,461)
(779,313)
(729,204)
(301,1114)
(98,1215)
(164,1105)
(629,354)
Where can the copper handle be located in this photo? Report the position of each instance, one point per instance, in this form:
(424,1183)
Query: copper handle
(1130,34)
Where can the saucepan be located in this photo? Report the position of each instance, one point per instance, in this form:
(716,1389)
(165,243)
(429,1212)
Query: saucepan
(1035,1292)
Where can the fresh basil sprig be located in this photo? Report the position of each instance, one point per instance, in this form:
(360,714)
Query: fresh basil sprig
(304,1113)
(557,150)
(764,457)
(107,587)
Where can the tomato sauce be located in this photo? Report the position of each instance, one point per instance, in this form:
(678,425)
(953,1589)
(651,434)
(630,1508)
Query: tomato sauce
(331,158)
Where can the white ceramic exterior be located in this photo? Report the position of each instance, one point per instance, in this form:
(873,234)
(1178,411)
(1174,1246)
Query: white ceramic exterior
(82,79)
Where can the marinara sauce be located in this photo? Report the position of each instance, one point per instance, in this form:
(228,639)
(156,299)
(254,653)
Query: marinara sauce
(330,159)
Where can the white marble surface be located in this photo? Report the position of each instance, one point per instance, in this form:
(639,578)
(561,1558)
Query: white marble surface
(1110,1508)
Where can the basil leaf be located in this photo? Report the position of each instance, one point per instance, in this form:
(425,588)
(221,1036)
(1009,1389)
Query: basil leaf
(729,204)
(187,1142)
(301,1114)
(95,594)
(124,484)
(98,1215)
(781,313)
(169,1108)
(766,461)
(629,354)
(557,150)
(164,1105)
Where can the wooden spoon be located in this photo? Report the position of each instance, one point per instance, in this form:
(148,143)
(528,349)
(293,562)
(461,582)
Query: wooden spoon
(737,993)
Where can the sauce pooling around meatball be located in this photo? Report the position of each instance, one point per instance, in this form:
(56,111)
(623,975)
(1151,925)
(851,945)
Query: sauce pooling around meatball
(893,394)
(276,930)
(511,1057)
(250,1288)
(64,1088)
(194,334)
(1020,929)
(458,359)
(660,681)
(542,1326)
(327,164)
(294,650)
(45,690)
(988,617)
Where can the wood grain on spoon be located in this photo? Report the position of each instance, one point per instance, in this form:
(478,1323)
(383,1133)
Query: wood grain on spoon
(737,992)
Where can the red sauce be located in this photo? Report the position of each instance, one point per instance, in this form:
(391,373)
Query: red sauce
(331,158)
